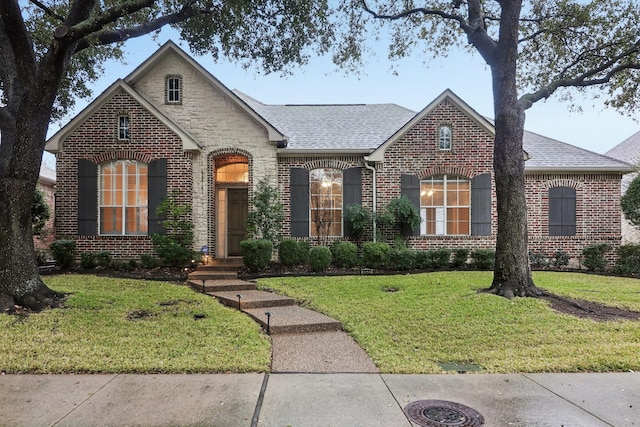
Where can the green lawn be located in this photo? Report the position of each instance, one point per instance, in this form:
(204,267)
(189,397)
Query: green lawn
(436,318)
(121,325)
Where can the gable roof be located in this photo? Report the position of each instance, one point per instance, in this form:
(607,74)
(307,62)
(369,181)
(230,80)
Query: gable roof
(628,150)
(53,145)
(447,95)
(332,128)
(170,47)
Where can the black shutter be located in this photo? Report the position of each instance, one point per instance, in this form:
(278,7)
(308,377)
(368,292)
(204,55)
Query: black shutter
(481,205)
(299,185)
(351,193)
(87,198)
(410,188)
(157,178)
(562,211)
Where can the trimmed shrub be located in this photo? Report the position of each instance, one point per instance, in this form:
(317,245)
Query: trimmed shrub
(483,259)
(459,259)
(63,252)
(538,260)
(593,256)
(148,261)
(256,253)
(103,259)
(319,258)
(303,252)
(402,259)
(289,252)
(344,254)
(441,258)
(560,259)
(88,260)
(375,254)
(628,261)
(357,220)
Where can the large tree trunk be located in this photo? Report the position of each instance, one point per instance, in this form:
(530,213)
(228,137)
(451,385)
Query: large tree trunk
(512,271)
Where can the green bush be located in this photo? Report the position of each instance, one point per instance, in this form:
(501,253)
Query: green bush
(148,261)
(267,213)
(63,252)
(405,215)
(344,254)
(402,259)
(175,247)
(88,260)
(538,260)
(560,259)
(256,253)
(288,252)
(483,259)
(303,252)
(628,261)
(357,220)
(375,254)
(103,259)
(459,259)
(319,258)
(593,256)
(434,259)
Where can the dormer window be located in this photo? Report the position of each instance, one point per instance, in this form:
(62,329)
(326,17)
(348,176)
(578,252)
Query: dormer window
(123,128)
(444,138)
(173,90)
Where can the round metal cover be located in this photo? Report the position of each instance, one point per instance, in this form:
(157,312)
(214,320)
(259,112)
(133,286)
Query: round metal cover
(442,413)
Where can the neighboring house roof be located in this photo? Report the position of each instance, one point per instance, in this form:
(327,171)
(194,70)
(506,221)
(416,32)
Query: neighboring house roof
(275,135)
(333,128)
(628,150)
(53,145)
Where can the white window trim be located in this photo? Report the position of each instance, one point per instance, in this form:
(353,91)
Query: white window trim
(124,126)
(124,204)
(447,139)
(441,211)
(169,91)
(340,209)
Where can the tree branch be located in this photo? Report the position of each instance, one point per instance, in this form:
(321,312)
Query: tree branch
(47,10)
(406,13)
(17,54)
(588,78)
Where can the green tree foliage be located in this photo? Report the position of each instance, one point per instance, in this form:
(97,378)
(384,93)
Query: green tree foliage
(267,214)
(630,202)
(534,49)
(176,246)
(402,215)
(358,219)
(51,50)
(40,213)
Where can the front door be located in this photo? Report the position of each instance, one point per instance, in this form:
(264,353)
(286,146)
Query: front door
(237,212)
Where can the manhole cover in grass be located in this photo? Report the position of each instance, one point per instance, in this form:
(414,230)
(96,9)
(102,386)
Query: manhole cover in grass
(442,413)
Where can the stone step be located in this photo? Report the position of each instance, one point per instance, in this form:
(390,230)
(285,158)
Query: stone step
(209,286)
(252,299)
(293,319)
(200,275)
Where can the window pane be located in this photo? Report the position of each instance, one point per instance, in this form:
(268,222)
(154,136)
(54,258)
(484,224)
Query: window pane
(235,172)
(326,202)
(123,197)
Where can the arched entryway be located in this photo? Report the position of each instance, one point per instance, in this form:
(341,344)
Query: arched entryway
(231,175)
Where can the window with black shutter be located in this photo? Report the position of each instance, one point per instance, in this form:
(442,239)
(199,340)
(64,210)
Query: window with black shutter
(562,211)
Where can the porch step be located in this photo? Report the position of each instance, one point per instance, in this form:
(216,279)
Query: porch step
(208,286)
(293,319)
(252,299)
(200,275)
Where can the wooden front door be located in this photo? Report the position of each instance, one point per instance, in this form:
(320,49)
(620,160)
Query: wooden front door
(237,212)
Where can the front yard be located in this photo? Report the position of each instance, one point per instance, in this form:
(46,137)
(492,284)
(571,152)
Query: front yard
(416,323)
(423,323)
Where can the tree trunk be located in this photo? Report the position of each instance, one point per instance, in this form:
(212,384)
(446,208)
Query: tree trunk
(23,138)
(512,271)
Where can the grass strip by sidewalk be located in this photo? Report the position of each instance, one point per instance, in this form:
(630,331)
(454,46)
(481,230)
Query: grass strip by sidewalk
(134,326)
(415,323)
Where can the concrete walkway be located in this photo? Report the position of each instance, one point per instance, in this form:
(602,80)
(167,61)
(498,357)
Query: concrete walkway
(308,400)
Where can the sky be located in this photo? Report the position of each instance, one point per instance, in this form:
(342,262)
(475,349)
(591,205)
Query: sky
(411,84)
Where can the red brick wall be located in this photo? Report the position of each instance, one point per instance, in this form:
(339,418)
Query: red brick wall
(47,237)
(96,139)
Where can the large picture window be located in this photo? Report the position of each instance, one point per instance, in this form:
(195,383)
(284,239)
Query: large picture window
(123,197)
(445,205)
(326,202)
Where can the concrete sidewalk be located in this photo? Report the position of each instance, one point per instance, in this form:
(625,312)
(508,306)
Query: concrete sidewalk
(307,400)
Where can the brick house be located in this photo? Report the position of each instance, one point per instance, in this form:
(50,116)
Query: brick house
(47,184)
(171,125)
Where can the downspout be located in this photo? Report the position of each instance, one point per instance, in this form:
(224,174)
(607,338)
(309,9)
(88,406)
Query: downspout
(375,194)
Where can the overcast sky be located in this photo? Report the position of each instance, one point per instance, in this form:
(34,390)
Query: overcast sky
(412,85)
